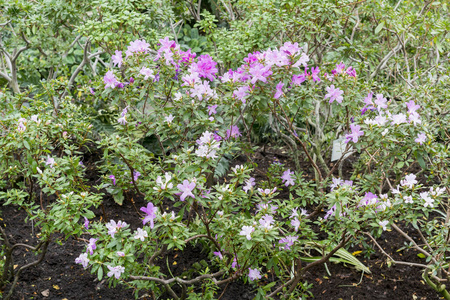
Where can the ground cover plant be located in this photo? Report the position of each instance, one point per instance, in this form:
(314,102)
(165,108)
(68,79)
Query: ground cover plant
(178,127)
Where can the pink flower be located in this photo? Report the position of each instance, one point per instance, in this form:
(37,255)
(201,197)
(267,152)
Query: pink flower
(355,133)
(421,138)
(241,93)
(412,107)
(186,189)
(334,94)
(110,80)
(113,179)
(117,58)
(148,73)
(212,109)
(279,91)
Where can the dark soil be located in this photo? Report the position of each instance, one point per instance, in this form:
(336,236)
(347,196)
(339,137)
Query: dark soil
(58,277)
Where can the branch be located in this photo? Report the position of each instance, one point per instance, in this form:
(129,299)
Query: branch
(177,279)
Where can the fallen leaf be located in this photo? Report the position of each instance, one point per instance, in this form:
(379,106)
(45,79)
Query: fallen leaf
(56,287)
(356,253)
(15,266)
(174,263)
(45,293)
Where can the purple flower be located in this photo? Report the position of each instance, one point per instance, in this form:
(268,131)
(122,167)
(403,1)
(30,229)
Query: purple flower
(186,189)
(253,274)
(233,132)
(288,178)
(279,91)
(368,100)
(355,133)
(113,179)
(131,80)
(120,253)
(136,174)
(369,199)
(150,210)
(86,223)
(92,91)
(117,58)
(249,184)
(205,67)
(113,226)
(304,58)
(110,80)
(295,223)
(288,241)
(212,109)
(290,49)
(334,94)
(218,254)
(91,246)
(315,74)
(339,69)
(421,138)
(351,72)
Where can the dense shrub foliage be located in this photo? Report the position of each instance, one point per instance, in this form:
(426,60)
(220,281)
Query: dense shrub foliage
(170,92)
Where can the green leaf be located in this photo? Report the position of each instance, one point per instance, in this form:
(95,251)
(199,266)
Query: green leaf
(25,143)
(379,27)
(421,255)
(119,197)
(100,273)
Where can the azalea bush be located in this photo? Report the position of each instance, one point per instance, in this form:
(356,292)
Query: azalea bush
(164,90)
(176,119)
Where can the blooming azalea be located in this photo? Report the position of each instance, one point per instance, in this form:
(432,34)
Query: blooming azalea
(115,271)
(150,210)
(140,234)
(253,274)
(247,230)
(186,189)
(83,260)
(334,94)
(288,178)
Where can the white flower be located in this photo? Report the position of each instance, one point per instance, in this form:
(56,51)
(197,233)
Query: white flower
(169,119)
(116,271)
(428,200)
(83,260)
(141,234)
(383,224)
(410,181)
(408,199)
(247,230)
